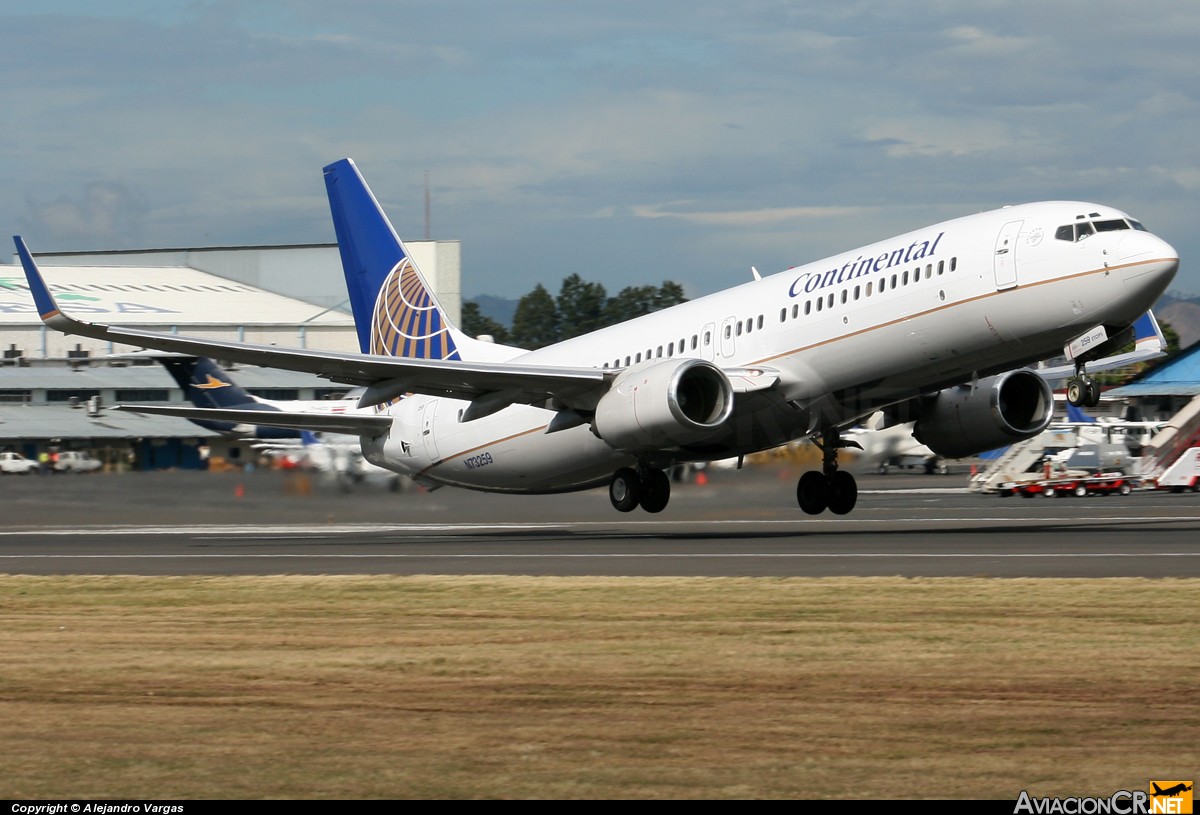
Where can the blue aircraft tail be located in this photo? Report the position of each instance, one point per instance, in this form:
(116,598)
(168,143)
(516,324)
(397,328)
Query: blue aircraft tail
(395,310)
(205,385)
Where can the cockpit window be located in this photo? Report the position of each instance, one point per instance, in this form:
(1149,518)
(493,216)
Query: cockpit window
(1082,229)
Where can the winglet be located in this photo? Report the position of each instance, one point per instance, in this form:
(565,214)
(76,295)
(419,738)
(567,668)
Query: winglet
(42,298)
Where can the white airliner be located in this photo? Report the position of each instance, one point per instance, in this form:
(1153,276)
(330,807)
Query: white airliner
(932,326)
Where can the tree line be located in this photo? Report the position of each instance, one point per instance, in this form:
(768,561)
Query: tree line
(581,307)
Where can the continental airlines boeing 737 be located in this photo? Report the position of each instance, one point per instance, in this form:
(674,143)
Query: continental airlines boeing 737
(933,326)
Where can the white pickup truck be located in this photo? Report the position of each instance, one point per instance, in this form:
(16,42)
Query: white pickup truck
(76,461)
(16,464)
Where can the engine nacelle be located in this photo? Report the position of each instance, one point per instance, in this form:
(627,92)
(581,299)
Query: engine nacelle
(663,405)
(997,411)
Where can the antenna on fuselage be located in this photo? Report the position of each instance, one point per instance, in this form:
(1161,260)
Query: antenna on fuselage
(754,272)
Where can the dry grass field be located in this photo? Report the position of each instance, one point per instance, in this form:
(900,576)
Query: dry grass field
(589,688)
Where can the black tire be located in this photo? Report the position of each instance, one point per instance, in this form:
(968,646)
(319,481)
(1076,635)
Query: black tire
(1075,392)
(843,492)
(656,491)
(625,489)
(812,492)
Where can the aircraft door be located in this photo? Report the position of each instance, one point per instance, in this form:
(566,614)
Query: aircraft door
(428,436)
(1005,259)
(727,340)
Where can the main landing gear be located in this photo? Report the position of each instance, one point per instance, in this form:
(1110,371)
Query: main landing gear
(1082,390)
(832,489)
(645,486)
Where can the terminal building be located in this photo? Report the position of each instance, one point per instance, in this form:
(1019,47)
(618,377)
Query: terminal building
(56,391)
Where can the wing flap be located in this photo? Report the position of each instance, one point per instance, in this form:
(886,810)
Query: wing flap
(353,423)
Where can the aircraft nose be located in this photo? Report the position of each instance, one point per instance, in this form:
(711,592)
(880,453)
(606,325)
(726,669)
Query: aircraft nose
(1147,259)
(1135,246)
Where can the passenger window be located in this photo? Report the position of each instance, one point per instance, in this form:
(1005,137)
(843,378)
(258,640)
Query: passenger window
(953,263)
(671,349)
(694,338)
(868,290)
(941,266)
(820,303)
(783,314)
(807,307)
(844,295)
(857,291)
(795,310)
(739,329)
(760,321)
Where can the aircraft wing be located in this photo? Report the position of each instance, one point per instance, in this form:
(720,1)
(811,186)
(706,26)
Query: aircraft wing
(359,424)
(387,377)
(1149,343)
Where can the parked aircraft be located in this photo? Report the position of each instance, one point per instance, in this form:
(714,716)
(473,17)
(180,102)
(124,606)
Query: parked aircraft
(932,326)
(205,385)
(883,448)
(208,385)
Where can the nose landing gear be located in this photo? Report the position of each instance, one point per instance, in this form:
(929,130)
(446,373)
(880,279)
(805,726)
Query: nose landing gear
(1082,390)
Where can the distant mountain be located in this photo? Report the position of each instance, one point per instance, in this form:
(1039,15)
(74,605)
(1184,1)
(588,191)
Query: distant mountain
(496,308)
(1183,315)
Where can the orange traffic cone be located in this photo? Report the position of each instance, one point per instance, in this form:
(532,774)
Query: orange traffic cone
(239,491)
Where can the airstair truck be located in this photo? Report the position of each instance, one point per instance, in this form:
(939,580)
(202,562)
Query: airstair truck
(1183,475)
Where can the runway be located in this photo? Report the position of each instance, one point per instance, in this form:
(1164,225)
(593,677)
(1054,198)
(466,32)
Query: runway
(738,524)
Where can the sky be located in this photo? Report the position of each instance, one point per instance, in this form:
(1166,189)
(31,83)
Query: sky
(627,142)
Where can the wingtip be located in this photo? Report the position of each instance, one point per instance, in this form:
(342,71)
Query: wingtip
(42,298)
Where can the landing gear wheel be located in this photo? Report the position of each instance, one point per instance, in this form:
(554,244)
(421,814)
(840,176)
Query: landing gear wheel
(812,492)
(1091,392)
(843,492)
(1075,392)
(656,491)
(625,489)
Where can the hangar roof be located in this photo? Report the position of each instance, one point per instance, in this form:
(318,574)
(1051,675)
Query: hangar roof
(158,295)
(33,422)
(1178,376)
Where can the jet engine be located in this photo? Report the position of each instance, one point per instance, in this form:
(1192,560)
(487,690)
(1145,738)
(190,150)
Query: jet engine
(664,404)
(994,412)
